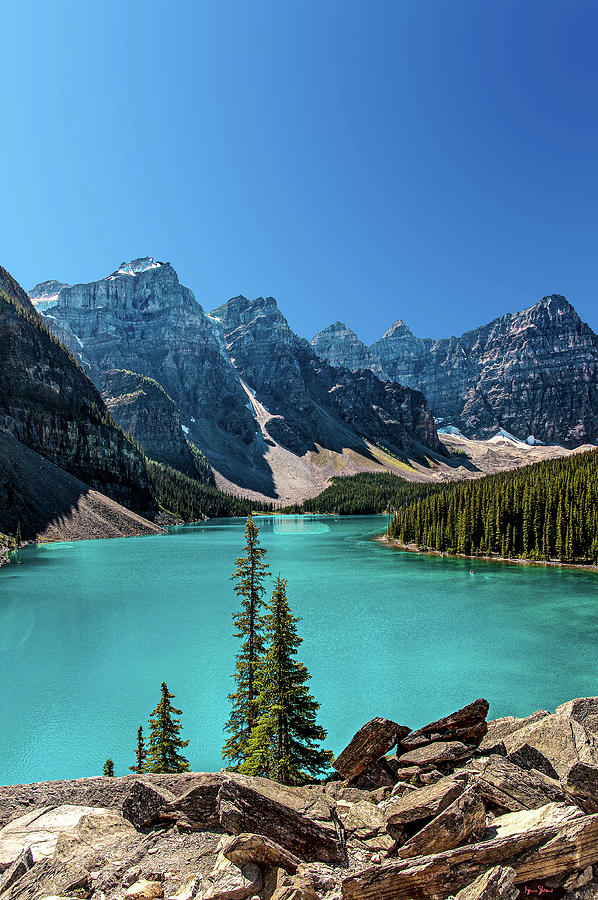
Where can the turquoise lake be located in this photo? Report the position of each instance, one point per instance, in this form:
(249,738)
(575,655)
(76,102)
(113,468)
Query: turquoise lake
(88,630)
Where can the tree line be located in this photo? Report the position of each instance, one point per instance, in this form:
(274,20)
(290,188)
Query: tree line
(546,511)
(192,500)
(273,729)
(368,492)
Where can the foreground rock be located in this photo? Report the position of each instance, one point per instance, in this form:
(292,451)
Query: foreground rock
(372,741)
(495,884)
(467,725)
(488,827)
(536,854)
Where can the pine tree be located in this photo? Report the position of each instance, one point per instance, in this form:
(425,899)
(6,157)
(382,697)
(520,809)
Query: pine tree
(250,572)
(283,742)
(164,739)
(140,753)
(108,769)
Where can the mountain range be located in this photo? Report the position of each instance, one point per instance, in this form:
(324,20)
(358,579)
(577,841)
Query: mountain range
(533,373)
(237,384)
(96,378)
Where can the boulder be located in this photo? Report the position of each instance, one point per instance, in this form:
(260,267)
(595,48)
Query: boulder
(197,807)
(423,804)
(295,887)
(39,830)
(464,820)
(144,890)
(583,710)
(500,729)
(560,738)
(497,883)
(528,819)
(373,740)
(439,753)
(17,869)
(467,725)
(246,848)
(377,775)
(243,807)
(537,854)
(228,882)
(582,780)
(365,823)
(511,788)
(145,802)
(528,757)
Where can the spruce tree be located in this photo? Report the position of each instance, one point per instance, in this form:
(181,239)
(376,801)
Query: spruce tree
(250,573)
(140,753)
(108,769)
(283,742)
(164,740)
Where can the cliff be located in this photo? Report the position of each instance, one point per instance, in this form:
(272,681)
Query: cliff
(49,405)
(144,410)
(531,373)
(458,807)
(305,394)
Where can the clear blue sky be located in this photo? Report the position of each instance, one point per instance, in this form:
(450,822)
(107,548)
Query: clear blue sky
(365,161)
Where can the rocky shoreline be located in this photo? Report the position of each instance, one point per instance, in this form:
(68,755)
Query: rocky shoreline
(550,563)
(459,808)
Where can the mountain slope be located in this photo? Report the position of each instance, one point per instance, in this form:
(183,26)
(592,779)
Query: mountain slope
(531,373)
(49,405)
(48,504)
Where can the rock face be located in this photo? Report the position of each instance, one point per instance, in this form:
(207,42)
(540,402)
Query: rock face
(143,320)
(143,408)
(49,404)
(307,397)
(341,347)
(531,373)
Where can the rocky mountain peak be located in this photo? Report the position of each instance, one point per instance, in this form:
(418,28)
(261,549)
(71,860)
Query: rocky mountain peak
(398,328)
(136,266)
(241,311)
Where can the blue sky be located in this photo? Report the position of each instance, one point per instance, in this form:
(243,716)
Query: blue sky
(365,161)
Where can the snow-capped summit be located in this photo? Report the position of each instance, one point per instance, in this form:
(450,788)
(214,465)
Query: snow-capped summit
(45,294)
(135,267)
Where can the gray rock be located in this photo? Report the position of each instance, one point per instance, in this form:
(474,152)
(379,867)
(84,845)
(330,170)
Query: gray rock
(528,757)
(17,869)
(464,820)
(365,748)
(439,754)
(526,372)
(497,883)
(467,725)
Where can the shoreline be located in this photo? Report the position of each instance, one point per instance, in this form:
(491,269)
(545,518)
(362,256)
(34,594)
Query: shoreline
(412,548)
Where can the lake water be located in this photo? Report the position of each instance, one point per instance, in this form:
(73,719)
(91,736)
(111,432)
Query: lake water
(88,630)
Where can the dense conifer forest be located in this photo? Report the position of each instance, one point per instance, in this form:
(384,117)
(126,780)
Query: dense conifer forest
(546,511)
(190,500)
(369,492)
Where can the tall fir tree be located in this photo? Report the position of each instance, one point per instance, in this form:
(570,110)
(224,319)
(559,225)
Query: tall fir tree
(108,770)
(283,744)
(164,740)
(140,753)
(250,572)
